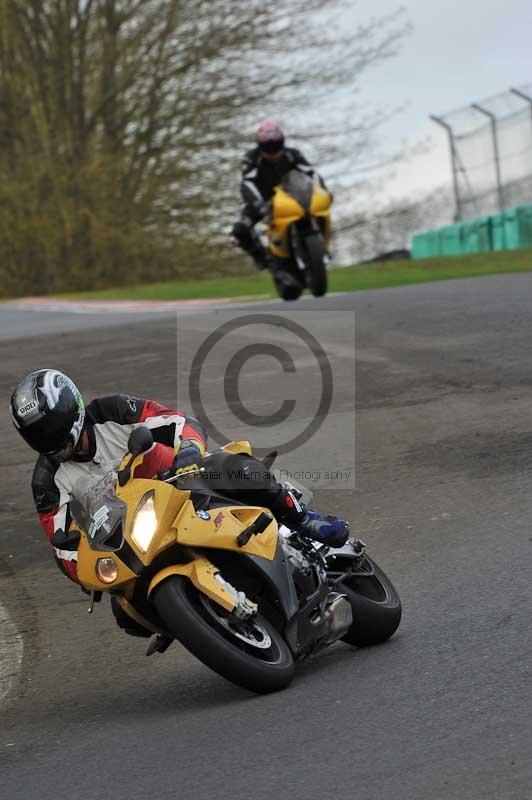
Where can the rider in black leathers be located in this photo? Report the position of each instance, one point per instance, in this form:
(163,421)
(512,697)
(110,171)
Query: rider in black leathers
(263,168)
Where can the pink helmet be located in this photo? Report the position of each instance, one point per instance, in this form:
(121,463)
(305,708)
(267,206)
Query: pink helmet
(270,139)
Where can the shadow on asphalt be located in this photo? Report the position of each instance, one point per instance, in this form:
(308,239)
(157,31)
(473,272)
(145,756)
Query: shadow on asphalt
(197,689)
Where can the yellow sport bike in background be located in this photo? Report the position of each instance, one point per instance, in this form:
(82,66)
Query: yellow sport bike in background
(299,229)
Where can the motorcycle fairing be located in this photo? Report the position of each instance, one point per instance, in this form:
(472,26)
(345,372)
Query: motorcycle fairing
(202,574)
(87,559)
(304,623)
(286,210)
(221,528)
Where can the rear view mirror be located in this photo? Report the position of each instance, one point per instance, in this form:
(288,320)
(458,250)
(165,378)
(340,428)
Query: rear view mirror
(140,441)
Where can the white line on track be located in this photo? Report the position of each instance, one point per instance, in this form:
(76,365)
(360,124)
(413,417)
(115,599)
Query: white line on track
(11,651)
(37,304)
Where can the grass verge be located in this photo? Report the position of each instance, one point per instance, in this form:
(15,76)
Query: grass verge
(346,279)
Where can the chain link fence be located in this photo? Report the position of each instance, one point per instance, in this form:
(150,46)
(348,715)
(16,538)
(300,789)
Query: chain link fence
(491,153)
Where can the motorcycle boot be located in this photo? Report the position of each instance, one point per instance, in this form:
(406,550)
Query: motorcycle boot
(243,235)
(261,257)
(329,530)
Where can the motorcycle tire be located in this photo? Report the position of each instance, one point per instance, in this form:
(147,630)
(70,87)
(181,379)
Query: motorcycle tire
(315,258)
(375,604)
(206,631)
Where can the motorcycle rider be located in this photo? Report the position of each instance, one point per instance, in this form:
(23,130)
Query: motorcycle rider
(263,168)
(73,440)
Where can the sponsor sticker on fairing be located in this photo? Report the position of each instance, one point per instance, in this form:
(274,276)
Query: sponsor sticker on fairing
(100,519)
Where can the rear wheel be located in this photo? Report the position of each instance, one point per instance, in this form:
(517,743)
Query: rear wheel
(374,601)
(250,653)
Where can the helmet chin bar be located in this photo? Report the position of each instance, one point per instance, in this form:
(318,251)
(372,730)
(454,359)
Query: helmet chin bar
(66,452)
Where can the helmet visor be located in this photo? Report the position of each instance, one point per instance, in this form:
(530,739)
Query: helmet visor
(272,147)
(48,434)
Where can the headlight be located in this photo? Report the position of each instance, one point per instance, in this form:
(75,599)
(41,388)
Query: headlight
(106,570)
(144,522)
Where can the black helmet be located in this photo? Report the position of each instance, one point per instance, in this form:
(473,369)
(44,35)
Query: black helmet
(48,411)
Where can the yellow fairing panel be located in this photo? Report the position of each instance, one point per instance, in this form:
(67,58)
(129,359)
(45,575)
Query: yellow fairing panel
(87,559)
(285,207)
(286,210)
(222,528)
(237,447)
(321,201)
(202,574)
(167,505)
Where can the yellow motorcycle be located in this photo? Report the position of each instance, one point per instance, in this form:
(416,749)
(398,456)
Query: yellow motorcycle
(186,563)
(299,229)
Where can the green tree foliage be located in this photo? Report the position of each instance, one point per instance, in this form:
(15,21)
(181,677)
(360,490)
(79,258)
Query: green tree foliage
(121,123)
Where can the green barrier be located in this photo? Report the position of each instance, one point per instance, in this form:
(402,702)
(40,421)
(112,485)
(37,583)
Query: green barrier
(420,246)
(434,243)
(518,227)
(526,226)
(470,238)
(498,232)
(451,240)
(477,236)
(510,230)
(485,235)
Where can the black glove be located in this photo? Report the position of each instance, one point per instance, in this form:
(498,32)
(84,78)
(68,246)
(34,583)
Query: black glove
(189,457)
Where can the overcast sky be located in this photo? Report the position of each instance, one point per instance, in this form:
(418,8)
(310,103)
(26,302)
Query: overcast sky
(458,53)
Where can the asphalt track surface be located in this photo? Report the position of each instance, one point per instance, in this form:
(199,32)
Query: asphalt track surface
(441,711)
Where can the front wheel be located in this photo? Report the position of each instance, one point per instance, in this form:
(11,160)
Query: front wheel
(315,258)
(250,653)
(375,604)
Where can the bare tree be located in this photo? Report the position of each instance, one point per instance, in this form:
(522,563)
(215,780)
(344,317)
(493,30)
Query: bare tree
(121,123)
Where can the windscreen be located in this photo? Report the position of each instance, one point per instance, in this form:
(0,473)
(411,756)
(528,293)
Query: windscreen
(299,186)
(96,509)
